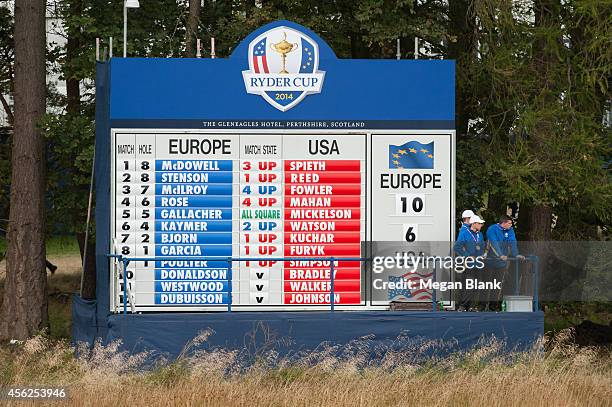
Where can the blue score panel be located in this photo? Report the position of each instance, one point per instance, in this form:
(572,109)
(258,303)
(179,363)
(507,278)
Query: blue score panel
(172,208)
(185,197)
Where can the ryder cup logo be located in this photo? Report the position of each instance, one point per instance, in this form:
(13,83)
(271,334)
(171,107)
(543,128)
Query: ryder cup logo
(283,66)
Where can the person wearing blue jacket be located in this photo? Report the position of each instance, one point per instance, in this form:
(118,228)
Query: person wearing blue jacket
(465,219)
(501,244)
(470,243)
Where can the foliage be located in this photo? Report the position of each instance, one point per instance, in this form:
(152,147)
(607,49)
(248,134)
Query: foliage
(156,30)
(542,93)
(533,87)
(70,141)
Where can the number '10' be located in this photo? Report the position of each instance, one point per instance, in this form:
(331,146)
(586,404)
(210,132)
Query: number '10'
(417,204)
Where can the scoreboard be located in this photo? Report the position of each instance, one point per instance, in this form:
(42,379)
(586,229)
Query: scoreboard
(194,198)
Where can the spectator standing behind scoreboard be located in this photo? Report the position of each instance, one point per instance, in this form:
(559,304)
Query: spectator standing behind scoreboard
(501,244)
(465,219)
(470,243)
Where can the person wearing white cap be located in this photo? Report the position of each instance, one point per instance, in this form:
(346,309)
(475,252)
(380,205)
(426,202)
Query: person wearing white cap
(470,243)
(465,218)
(476,223)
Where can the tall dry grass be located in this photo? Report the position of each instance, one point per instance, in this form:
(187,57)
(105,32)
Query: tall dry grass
(564,375)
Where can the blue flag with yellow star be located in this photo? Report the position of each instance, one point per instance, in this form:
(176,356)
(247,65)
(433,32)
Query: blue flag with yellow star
(411,155)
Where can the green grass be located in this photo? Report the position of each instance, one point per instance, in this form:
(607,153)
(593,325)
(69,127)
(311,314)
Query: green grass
(62,246)
(56,246)
(558,316)
(59,305)
(61,284)
(60,288)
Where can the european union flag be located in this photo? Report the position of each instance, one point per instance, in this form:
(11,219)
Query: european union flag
(411,155)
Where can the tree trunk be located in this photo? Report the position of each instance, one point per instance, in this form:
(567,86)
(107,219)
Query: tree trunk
(461,47)
(496,206)
(535,222)
(537,218)
(24,308)
(534,233)
(89,274)
(359,49)
(191,34)
(73,91)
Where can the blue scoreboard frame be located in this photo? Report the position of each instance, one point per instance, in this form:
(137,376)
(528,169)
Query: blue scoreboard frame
(365,147)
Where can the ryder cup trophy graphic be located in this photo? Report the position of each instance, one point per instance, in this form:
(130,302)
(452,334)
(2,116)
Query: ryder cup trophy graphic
(284,47)
(283,67)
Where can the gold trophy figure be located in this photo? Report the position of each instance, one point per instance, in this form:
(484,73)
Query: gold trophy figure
(284,47)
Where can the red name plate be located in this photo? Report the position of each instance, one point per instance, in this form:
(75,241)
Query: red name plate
(322,237)
(321,298)
(305,263)
(322,226)
(294,177)
(322,165)
(314,250)
(340,286)
(305,201)
(323,214)
(314,189)
(321,273)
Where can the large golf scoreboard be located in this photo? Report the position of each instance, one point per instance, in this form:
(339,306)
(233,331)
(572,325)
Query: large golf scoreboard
(190,200)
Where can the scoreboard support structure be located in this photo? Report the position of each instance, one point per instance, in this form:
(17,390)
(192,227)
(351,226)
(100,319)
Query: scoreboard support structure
(281,151)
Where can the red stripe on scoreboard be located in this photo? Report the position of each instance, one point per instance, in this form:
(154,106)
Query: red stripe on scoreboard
(323,226)
(305,201)
(331,189)
(322,298)
(322,237)
(308,274)
(322,165)
(317,263)
(311,250)
(322,214)
(340,286)
(320,177)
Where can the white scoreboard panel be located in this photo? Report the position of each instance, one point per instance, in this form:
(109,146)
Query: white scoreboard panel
(413,204)
(188,194)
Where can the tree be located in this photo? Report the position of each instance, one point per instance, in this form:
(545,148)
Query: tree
(73,43)
(191,34)
(24,308)
(538,132)
(462,48)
